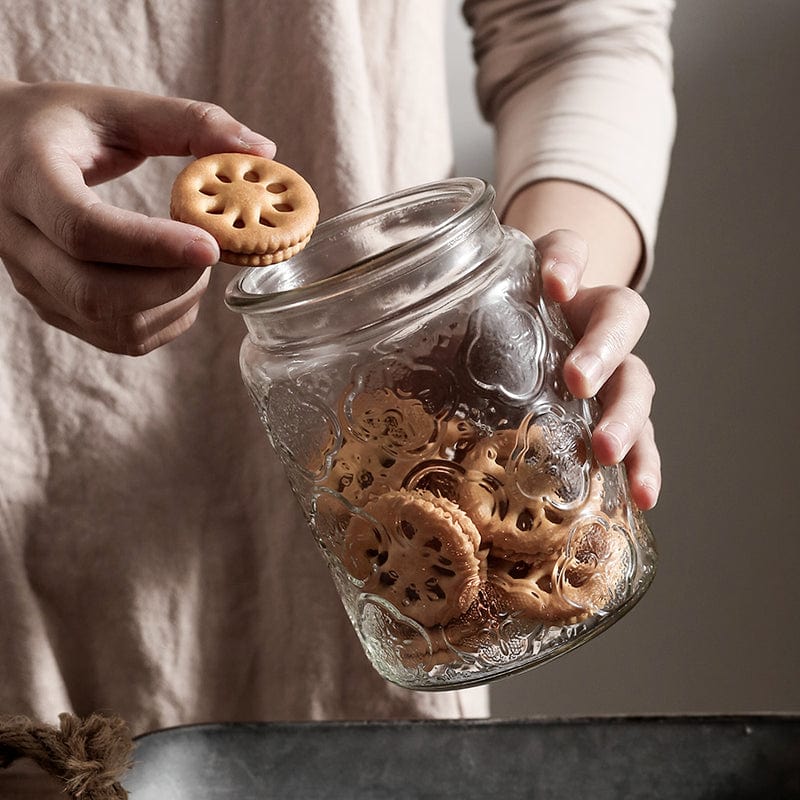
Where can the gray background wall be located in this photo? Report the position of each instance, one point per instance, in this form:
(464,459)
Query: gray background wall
(718,630)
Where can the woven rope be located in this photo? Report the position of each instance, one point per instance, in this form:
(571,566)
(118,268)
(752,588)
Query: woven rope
(87,756)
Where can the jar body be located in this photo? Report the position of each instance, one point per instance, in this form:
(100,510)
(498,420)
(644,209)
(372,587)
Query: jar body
(408,373)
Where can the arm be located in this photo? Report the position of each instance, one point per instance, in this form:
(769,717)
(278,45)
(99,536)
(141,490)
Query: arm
(579,93)
(610,233)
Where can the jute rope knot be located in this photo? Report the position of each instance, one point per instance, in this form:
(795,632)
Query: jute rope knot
(87,755)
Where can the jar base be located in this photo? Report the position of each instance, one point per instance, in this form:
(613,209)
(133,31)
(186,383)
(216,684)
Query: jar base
(440,666)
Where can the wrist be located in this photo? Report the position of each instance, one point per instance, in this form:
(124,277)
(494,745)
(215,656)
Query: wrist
(615,244)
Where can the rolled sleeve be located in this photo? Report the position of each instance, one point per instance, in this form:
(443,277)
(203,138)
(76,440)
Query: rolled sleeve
(579,90)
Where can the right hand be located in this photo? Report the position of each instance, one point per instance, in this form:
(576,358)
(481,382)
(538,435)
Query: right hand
(120,280)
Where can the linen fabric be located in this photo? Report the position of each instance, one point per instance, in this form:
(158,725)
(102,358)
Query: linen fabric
(153,562)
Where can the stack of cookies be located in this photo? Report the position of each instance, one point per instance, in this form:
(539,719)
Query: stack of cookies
(459,529)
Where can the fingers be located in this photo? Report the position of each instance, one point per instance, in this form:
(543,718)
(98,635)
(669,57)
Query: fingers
(627,399)
(157,126)
(643,465)
(609,321)
(72,217)
(115,278)
(64,153)
(149,124)
(564,256)
(131,334)
(126,346)
(121,309)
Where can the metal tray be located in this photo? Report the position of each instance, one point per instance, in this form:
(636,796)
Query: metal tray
(752,757)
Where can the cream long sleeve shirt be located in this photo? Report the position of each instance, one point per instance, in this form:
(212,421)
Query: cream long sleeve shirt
(152,560)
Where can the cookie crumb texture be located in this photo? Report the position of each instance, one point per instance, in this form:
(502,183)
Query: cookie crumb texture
(462,545)
(260,212)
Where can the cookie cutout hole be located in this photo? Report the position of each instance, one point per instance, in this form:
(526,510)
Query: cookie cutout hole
(520,570)
(222,178)
(208,192)
(575,578)
(239,223)
(435,592)
(284,207)
(409,531)
(434,544)
(365,479)
(275,188)
(251,176)
(525,521)
(388,578)
(265,222)
(553,516)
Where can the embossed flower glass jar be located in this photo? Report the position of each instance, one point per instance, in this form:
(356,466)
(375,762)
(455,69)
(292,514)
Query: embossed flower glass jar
(407,370)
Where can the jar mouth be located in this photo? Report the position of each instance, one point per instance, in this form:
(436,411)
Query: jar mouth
(366,245)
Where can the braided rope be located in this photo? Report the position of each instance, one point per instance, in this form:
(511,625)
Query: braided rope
(86,755)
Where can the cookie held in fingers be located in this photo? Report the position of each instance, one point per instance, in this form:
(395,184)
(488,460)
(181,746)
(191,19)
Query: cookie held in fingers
(260,212)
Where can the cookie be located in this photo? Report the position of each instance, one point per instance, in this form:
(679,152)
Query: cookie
(595,563)
(400,425)
(259,211)
(533,588)
(584,579)
(459,436)
(552,459)
(420,553)
(477,631)
(361,471)
(507,519)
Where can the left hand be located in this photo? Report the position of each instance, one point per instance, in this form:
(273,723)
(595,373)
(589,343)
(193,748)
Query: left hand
(607,322)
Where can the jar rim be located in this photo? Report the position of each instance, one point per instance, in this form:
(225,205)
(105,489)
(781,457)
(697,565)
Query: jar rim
(245,293)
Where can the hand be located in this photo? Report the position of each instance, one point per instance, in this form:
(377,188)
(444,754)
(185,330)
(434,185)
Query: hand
(120,280)
(607,322)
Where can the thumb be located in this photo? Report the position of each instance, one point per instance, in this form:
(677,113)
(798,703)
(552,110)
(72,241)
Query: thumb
(173,126)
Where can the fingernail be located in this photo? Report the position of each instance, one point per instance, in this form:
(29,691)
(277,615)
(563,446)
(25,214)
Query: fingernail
(201,253)
(250,140)
(618,433)
(590,366)
(649,482)
(563,274)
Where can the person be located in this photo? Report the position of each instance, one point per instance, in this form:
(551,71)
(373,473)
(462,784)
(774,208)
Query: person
(153,561)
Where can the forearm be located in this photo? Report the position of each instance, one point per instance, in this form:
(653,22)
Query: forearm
(615,244)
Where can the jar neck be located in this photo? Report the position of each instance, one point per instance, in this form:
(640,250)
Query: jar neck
(379,260)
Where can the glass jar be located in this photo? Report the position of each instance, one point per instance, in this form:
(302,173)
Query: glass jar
(407,369)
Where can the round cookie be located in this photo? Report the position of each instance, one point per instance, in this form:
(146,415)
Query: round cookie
(260,211)
(458,437)
(398,424)
(532,587)
(361,471)
(476,630)
(595,563)
(421,554)
(583,579)
(506,518)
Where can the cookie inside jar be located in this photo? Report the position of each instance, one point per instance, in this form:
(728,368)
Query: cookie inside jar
(461,534)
